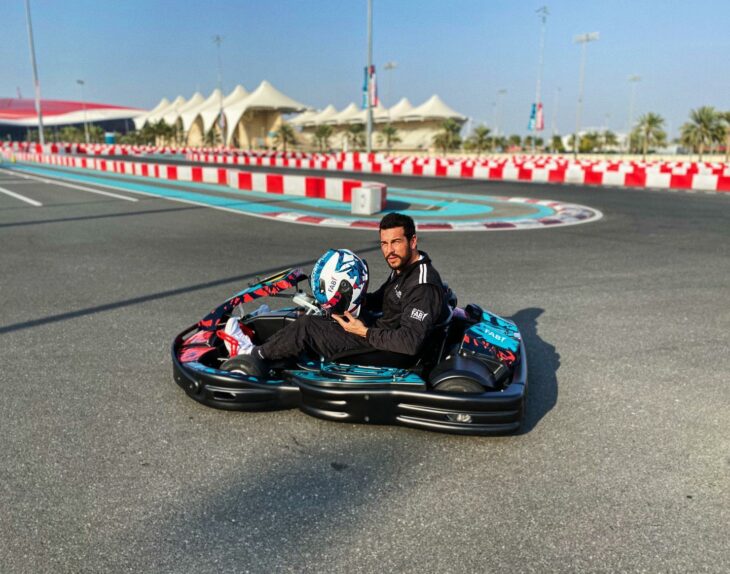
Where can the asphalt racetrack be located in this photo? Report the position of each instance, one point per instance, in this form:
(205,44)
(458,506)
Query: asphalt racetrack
(623,464)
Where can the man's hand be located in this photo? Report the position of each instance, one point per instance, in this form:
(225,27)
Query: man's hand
(351,324)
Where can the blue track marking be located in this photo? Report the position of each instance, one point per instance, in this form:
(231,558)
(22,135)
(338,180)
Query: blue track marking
(259,202)
(455,211)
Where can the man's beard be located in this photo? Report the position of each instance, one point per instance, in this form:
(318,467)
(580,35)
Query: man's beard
(400,262)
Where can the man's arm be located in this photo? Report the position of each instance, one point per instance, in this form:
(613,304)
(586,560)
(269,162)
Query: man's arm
(420,312)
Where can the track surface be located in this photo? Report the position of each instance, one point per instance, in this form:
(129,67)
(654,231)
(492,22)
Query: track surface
(107,466)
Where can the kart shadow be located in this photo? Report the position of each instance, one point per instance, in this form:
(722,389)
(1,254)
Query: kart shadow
(143,299)
(288,510)
(543,362)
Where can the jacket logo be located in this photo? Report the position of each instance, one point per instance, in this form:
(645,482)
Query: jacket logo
(418,314)
(398,294)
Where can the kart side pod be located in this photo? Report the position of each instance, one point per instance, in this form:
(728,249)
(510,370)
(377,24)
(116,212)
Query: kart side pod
(464,374)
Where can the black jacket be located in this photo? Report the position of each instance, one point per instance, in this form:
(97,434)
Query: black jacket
(412,302)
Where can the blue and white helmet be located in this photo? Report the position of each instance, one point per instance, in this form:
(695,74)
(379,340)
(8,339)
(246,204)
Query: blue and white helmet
(339,281)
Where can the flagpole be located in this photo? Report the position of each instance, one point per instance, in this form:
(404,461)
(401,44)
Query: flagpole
(368,77)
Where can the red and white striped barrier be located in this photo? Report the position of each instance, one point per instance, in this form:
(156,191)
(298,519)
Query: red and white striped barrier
(296,185)
(657,175)
(706,176)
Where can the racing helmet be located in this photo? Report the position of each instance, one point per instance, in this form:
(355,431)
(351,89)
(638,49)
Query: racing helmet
(339,281)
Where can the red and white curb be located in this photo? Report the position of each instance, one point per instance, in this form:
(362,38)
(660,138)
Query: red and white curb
(565,214)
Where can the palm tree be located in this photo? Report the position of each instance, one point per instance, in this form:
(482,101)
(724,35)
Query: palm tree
(726,121)
(449,138)
(71,134)
(356,135)
(388,136)
(479,139)
(211,138)
(96,134)
(609,139)
(703,129)
(163,132)
(285,135)
(650,132)
(322,136)
(589,142)
(499,142)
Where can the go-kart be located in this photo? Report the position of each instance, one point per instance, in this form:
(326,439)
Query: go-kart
(470,377)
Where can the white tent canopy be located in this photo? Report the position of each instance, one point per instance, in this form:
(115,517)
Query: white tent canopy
(304,117)
(238,93)
(433,109)
(173,115)
(349,112)
(265,97)
(176,104)
(208,110)
(327,113)
(140,120)
(380,114)
(400,109)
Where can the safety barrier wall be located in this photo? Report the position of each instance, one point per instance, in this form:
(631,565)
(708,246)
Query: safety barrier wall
(304,186)
(708,176)
(657,175)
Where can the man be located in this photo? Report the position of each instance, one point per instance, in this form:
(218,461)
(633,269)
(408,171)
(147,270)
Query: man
(411,301)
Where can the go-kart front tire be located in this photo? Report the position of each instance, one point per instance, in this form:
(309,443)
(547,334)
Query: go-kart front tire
(245,365)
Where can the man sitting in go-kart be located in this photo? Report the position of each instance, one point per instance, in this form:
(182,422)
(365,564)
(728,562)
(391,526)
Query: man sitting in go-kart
(412,300)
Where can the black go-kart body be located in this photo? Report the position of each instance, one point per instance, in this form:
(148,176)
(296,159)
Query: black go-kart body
(470,377)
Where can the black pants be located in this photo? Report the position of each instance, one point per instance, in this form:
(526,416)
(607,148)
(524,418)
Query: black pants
(320,335)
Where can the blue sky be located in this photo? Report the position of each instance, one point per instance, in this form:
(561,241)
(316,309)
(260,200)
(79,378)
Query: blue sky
(134,52)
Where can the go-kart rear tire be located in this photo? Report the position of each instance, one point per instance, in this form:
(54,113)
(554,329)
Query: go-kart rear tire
(459,385)
(245,365)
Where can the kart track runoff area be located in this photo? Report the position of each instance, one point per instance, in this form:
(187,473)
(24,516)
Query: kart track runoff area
(107,466)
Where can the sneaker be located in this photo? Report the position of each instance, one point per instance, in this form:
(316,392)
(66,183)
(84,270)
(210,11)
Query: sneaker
(236,341)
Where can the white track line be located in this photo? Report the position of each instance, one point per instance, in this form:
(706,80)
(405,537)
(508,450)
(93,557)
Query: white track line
(80,187)
(33,202)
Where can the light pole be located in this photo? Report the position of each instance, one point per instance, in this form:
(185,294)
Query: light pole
(633,80)
(368,77)
(554,127)
(218,40)
(83,103)
(537,126)
(582,39)
(37,84)
(388,67)
(497,109)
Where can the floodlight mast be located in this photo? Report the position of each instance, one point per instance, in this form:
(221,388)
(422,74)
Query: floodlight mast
(633,80)
(36,83)
(543,13)
(218,40)
(582,39)
(497,109)
(83,103)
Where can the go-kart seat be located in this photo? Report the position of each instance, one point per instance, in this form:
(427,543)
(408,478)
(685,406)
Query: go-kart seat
(430,353)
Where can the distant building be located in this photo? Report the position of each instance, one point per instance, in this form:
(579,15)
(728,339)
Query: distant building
(17,116)
(416,126)
(250,120)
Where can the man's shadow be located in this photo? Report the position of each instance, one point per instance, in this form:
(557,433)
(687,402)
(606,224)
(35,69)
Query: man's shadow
(543,362)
